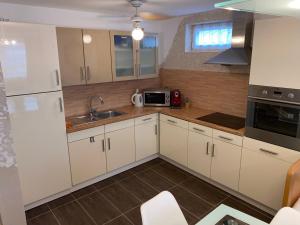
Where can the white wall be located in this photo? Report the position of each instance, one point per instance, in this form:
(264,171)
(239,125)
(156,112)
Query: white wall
(79,19)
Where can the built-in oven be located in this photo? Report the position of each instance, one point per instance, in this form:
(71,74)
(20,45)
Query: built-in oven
(156,97)
(273,116)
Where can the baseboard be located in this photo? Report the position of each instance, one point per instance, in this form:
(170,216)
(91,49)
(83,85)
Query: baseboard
(90,182)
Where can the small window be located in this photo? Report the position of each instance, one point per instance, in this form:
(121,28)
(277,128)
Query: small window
(211,36)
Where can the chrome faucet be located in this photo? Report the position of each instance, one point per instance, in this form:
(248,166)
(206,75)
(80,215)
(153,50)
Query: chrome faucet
(92,110)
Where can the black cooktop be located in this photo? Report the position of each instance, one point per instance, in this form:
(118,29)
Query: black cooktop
(224,120)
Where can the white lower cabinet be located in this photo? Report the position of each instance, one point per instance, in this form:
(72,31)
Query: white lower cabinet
(173,141)
(199,153)
(87,158)
(226,162)
(120,148)
(146,136)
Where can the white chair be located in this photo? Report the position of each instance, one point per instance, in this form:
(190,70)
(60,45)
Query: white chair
(163,209)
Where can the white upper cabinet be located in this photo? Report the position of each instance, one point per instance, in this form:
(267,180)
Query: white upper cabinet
(276,53)
(29,58)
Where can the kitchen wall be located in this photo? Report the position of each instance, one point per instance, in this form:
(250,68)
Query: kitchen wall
(215,87)
(114,94)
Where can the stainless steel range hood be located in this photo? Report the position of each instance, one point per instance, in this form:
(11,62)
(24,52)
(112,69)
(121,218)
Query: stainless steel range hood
(240,51)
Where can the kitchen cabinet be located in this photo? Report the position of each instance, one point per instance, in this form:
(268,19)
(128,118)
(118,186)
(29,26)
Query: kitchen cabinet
(146,136)
(84,56)
(226,158)
(132,59)
(29,59)
(263,171)
(276,48)
(120,145)
(199,149)
(40,144)
(87,158)
(173,138)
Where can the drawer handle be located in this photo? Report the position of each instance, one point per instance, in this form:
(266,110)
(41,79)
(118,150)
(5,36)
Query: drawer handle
(268,151)
(172,121)
(197,129)
(226,138)
(57,77)
(108,140)
(92,139)
(147,119)
(155,129)
(81,73)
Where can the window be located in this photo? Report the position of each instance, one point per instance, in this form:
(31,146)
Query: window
(211,36)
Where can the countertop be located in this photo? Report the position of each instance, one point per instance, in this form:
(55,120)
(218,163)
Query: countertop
(188,114)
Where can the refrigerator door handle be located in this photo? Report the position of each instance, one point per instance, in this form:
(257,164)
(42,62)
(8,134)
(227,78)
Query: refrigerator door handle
(57,77)
(61,105)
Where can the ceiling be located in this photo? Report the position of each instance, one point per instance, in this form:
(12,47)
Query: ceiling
(123,8)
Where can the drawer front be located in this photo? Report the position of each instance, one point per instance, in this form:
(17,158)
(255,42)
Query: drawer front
(271,150)
(226,137)
(83,134)
(119,125)
(146,119)
(201,129)
(174,121)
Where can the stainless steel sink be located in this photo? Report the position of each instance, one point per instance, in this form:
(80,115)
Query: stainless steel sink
(96,116)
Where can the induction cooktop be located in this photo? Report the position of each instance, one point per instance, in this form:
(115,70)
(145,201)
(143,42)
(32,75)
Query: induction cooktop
(224,120)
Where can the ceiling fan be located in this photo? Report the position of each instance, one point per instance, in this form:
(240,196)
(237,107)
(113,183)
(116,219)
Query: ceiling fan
(138,17)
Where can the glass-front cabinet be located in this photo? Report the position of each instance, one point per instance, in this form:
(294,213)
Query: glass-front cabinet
(132,59)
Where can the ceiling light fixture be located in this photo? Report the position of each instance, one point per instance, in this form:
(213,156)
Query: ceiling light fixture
(294,4)
(231,9)
(137,32)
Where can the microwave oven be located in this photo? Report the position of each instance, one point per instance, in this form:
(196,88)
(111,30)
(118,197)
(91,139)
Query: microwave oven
(156,97)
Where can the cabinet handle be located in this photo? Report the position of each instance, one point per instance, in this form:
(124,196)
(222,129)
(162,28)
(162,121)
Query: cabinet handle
(225,138)
(197,129)
(207,146)
(108,140)
(92,139)
(213,151)
(268,151)
(61,109)
(172,121)
(136,69)
(103,145)
(147,119)
(139,69)
(81,73)
(57,77)
(155,129)
(88,73)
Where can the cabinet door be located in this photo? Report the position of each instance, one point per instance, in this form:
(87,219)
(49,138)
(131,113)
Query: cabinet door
(29,58)
(199,153)
(263,178)
(120,148)
(123,55)
(146,140)
(71,60)
(148,57)
(39,138)
(226,161)
(173,142)
(97,56)
(88,159)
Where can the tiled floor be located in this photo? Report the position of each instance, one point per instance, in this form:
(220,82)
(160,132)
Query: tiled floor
(117,200)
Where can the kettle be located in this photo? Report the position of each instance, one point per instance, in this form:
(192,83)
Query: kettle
(137,99)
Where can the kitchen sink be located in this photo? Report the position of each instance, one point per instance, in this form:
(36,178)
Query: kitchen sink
(95,117)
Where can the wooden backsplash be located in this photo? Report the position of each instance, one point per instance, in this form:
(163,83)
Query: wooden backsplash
(217,91)
(114,94)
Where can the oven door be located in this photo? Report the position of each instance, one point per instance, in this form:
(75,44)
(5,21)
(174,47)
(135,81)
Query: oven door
(274,122)
(156,99)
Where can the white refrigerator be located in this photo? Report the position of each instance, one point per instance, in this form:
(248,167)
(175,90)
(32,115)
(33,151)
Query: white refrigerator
(29,60)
